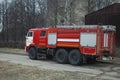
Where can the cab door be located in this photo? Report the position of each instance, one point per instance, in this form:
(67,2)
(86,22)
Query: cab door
(29,38)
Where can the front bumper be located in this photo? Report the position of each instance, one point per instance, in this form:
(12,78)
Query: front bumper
(26,48)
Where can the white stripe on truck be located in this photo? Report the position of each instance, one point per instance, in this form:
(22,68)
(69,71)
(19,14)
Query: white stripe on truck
(67,40)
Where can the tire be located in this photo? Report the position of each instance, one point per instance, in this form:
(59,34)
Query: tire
(75,57)
(32,53)
(61,56)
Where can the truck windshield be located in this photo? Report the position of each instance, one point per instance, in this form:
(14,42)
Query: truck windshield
(29,34)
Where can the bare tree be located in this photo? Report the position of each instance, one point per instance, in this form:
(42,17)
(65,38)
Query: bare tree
(18,17)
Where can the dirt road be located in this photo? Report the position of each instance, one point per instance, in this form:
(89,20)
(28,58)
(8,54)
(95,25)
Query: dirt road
(102,70)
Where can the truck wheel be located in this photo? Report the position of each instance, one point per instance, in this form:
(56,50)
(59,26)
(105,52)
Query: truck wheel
(75,57)
(32,53)
(61,56)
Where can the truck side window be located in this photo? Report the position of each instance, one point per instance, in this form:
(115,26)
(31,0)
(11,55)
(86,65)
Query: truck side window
(29,34)
(43,33)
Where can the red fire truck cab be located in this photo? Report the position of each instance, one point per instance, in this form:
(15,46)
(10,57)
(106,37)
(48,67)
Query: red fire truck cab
(73,44)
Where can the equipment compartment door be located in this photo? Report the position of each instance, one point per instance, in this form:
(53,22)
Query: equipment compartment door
(88,39)
(52,37)
(88,42)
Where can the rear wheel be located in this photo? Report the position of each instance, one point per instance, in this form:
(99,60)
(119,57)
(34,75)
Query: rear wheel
(75,57)
(32,53)
(61,56)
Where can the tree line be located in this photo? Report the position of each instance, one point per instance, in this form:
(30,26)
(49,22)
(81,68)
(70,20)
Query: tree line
(17,16)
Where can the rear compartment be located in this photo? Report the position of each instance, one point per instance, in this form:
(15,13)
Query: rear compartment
(107,42)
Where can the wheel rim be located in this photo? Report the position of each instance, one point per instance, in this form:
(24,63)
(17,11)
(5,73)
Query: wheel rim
(31,53)
(62,56)
(74,57)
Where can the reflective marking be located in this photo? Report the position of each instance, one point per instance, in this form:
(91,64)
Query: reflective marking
(68,40)
(105,40)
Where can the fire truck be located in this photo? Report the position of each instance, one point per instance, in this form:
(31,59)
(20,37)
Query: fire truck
(72,44)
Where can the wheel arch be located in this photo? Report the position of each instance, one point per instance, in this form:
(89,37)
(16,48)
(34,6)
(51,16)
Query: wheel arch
(32,46)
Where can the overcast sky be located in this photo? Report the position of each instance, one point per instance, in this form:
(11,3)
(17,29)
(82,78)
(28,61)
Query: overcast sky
(1,0)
